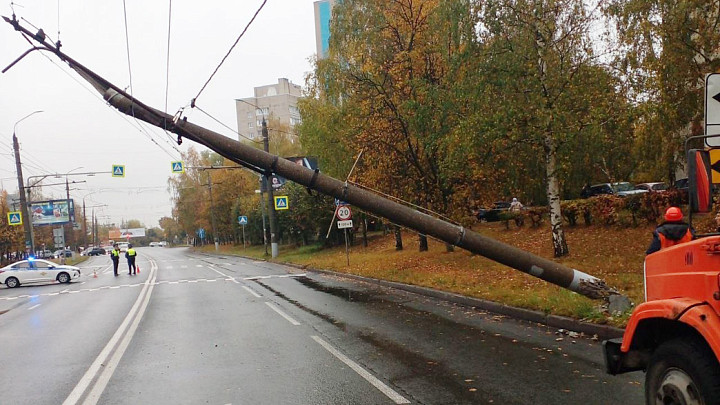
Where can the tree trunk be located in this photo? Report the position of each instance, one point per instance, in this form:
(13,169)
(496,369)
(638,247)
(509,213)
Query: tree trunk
(560,247)
(398,238)
(423,242)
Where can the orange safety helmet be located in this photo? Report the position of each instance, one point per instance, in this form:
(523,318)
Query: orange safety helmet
(673,214)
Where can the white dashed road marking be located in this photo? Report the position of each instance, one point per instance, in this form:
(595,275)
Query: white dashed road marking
(283,314)
(389,392)
(248,289)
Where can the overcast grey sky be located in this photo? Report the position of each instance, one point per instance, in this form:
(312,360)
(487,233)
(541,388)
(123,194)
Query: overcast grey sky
(78,129)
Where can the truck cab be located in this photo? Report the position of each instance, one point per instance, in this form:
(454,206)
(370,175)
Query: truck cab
(674,336)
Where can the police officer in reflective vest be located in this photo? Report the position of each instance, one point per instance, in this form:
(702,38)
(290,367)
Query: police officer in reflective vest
(115,256)
(671,232)
(130,256)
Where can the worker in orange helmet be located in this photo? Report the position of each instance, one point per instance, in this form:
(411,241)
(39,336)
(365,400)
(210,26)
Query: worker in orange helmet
(671,232)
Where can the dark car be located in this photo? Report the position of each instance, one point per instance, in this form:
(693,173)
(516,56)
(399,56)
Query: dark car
(96,251)
(681,184)
(492,214)
(620,189)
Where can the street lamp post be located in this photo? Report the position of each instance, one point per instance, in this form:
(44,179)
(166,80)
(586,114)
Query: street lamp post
(29,243)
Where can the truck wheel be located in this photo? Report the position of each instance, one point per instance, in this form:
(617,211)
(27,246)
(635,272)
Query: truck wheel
(683,371)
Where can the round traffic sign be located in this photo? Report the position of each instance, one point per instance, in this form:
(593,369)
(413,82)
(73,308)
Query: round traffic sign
(344,213)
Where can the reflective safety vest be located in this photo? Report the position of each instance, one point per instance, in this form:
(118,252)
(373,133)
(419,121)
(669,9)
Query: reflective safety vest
(666,242)
(115,253)
(131,252)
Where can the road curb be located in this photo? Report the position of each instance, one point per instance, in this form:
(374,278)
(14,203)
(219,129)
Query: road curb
(603,332)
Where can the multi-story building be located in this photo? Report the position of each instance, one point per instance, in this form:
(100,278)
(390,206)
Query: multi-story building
(276,101)
(323,13)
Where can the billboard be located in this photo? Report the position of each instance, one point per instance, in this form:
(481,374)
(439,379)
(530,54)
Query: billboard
(53,212)
(117,234)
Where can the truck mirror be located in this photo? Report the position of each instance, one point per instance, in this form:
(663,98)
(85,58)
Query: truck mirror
(699,184)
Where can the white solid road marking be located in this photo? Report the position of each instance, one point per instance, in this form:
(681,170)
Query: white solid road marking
(283,314)
(103,366)
(33,307)
(248,289)
(389,392)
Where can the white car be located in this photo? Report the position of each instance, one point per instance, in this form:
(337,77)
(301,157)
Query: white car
(37,271)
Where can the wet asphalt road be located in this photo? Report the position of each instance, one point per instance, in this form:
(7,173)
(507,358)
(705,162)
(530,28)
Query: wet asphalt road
(193,329)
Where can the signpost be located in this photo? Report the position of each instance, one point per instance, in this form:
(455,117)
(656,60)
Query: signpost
(344,214)
(177,167)
(243,220)
(201,234)
(281,203)
(118,170)
(14,218)
(712,108)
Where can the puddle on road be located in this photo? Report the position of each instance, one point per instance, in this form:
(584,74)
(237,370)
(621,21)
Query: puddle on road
(425,368)
(341,325)
(344,293)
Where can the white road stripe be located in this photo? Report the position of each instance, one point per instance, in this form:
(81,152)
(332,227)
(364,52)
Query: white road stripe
(198,265)
(283,314)
(100,366)
(33,307)
(389,392)
(228,278)
(248,289)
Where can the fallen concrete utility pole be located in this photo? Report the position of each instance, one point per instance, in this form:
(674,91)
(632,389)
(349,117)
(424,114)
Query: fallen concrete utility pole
(261,162)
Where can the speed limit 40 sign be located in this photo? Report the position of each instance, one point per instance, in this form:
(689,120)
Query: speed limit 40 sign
(344,213)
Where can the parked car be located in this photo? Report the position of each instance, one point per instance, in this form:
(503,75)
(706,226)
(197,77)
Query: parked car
(492,214)
(96,251)
(655,186)
(62,252)
(621,189)
(44,254)
(681,184)
(37,271)
(123,246)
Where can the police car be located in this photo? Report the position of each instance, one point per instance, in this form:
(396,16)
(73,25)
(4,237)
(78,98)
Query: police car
(37,271)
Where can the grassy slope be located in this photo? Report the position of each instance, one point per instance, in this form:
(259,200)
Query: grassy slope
(615,255)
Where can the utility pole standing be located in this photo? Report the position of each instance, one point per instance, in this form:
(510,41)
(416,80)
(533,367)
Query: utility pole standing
(271,197)
(71,214)
(212,214)
(263,186)
(84,226)
(23,201)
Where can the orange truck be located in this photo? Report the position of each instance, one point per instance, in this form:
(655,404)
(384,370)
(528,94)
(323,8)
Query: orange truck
(675,334)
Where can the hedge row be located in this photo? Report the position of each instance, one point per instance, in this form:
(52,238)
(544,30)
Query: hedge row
(608,209)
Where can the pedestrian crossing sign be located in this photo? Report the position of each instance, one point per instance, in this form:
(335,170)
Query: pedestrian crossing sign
(178,167)
(14,218)
(118,171)
(281,203)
